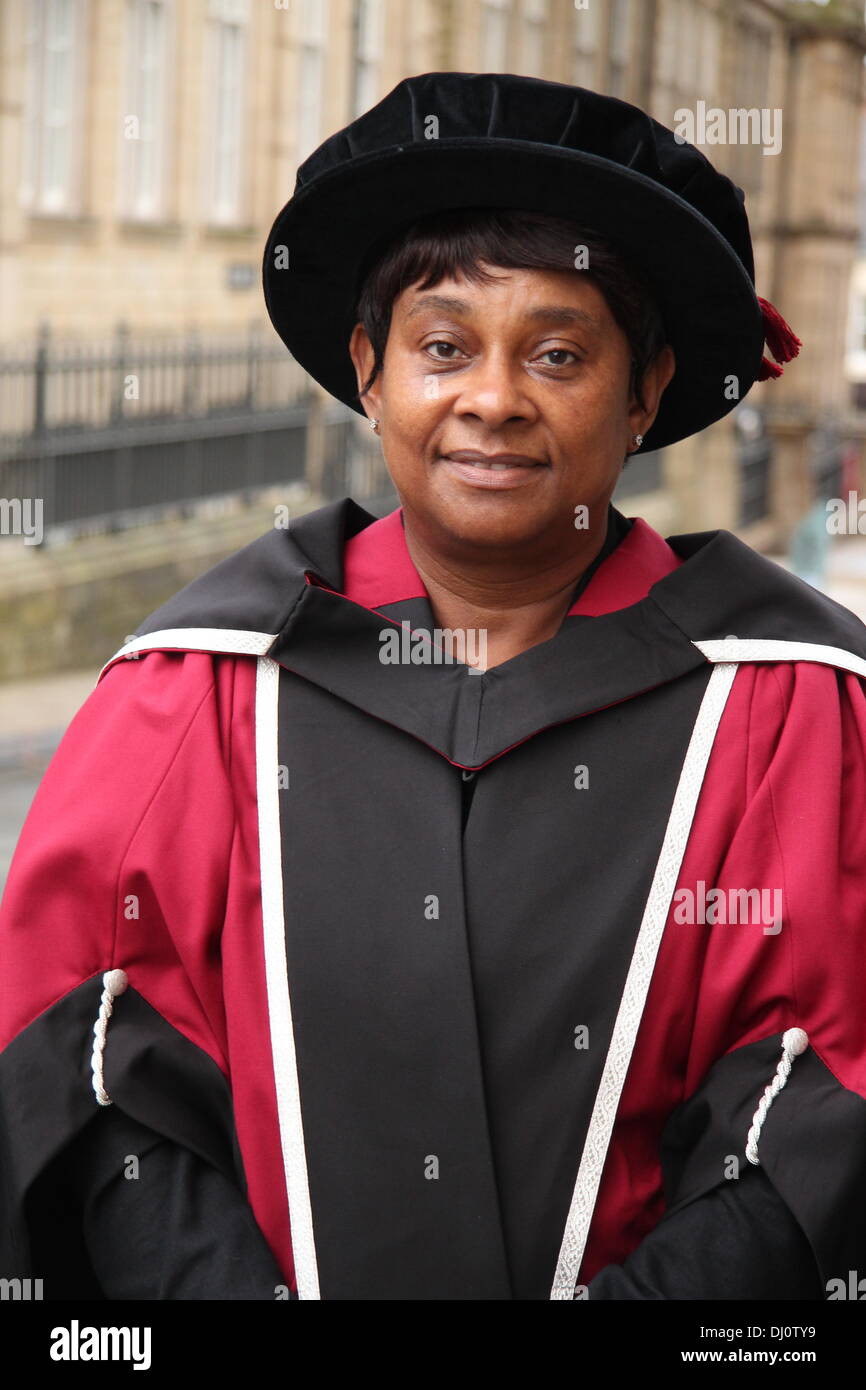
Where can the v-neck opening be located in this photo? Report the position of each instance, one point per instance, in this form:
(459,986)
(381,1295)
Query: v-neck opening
(618,527)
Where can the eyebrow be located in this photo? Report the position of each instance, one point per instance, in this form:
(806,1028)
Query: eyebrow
(547,313)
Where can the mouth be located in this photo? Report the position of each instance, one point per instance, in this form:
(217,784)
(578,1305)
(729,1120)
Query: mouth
(495,471)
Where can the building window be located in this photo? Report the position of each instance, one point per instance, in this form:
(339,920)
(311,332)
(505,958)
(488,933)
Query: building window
(368,53)
(494,35)
(585,47)
(688,54)
(861,186)
(619,48)
(311,76)
(145,119)
(532,38)
(857,327)
(54,105)
(225,142)
(754,46)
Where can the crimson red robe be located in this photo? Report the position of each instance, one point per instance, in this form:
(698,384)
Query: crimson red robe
(164,842)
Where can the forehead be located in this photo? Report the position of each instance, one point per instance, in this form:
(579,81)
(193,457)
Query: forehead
(555,297)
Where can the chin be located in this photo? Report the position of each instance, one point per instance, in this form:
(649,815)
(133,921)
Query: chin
(473,523)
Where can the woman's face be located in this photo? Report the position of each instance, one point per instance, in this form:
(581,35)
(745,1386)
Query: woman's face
(533,364)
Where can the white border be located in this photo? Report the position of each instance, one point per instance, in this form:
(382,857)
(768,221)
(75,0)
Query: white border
(285,1064)
(225,640)
(638,981)
(284,1059)
(769,649)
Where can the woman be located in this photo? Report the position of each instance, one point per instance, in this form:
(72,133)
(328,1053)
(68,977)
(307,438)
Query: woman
(466,904)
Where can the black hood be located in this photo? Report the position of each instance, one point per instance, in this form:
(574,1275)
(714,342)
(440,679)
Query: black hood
(723,589)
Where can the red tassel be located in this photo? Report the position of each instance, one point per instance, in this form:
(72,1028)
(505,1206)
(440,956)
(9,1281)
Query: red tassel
(767,370)
(780,339)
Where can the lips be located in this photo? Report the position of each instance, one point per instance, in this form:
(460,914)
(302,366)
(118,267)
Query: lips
(492,472)
(495,466)
(495,462)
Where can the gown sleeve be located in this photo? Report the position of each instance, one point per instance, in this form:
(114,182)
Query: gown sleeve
(122,864)
(738,1241)
(752,1049)
(188,1232)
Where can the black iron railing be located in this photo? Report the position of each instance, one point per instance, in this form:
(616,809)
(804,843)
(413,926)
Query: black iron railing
(113,433)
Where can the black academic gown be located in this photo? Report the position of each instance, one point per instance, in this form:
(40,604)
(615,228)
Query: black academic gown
(442,937)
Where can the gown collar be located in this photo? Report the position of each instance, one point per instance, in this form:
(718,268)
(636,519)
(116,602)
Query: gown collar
(324,597)
(613,643)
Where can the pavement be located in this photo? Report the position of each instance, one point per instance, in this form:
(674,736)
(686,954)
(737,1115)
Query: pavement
(34,714)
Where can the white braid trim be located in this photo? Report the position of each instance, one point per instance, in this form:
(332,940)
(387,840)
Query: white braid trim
(794,1042)
(282,1030)
(219,640)
(114,983)
(638,979)
(732,648)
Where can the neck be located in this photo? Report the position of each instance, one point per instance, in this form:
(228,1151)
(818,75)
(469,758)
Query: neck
(516,606)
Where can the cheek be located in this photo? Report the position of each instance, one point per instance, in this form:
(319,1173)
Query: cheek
(599,406)
(402,390)
(588,418)
(411,415)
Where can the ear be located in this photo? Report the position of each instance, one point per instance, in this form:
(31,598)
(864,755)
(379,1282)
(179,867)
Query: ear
(363,358)
(656,378)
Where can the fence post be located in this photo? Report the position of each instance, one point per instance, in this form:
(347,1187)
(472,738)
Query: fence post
(40,376)
(192,370)
(121,355)
(252,364)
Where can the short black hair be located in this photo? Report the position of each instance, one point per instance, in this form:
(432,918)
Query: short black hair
(455,242)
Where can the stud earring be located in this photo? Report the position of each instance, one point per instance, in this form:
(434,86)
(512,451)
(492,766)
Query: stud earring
(374,425)
(638,439)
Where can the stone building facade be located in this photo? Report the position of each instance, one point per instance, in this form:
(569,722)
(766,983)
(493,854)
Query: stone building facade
(146,145)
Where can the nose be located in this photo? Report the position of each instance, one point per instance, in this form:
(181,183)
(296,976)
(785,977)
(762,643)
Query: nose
(493,390)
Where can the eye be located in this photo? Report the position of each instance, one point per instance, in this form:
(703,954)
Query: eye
(562,352)
(441,342)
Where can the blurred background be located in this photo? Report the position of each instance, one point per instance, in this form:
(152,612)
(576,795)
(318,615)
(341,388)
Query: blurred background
(145,149)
